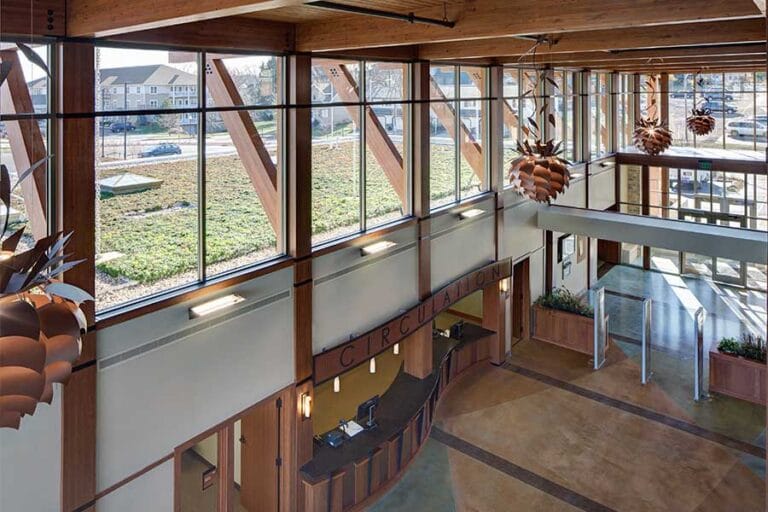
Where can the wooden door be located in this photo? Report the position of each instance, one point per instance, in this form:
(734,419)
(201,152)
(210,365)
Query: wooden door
(259,441)
(521,300)
(609,251)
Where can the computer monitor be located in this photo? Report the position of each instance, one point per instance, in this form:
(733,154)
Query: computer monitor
(365,411)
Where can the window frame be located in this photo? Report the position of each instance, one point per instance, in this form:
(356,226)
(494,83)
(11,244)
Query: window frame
(323,105)
(455,101)
(200,108)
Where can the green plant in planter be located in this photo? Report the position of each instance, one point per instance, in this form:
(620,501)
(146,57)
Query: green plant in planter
(729,346)
(563,300)
(751,346)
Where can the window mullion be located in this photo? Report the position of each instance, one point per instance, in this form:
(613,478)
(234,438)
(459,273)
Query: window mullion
(362,171)
(456,128)
(201,130)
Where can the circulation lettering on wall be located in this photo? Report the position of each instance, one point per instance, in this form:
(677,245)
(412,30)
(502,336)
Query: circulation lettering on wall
(347,355)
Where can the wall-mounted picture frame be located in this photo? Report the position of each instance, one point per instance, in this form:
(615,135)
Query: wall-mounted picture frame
(566,246)
(567,267)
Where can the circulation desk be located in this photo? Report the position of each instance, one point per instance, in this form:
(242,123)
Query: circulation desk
(351,476)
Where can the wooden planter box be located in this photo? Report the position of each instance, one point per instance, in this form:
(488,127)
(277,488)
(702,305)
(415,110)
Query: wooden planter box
(737,377)
(567,330)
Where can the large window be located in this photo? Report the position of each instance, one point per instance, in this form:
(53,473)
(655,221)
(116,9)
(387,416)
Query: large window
(625,99)
(360,153)
(459,133)
(698,195)
(562,106)
(189,178)
(25,116)
(737,102)
(599,121)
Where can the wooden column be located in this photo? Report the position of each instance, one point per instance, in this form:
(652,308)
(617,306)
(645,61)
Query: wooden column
(494,301)
(417,352)
(613,117)
(494,318)
(417,348)
(76,176)
(645,180)
(299,213)
(586,112)
(300,208)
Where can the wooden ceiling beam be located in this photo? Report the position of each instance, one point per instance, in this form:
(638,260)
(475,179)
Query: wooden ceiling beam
(633,55)
(703,62)
(745,68)
(484,19)
(35,17)
(686,34)
(237,33)
(104,18)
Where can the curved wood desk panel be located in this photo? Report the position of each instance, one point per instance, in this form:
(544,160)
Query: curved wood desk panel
(356,474)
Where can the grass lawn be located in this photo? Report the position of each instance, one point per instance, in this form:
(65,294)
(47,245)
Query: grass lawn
(156,230)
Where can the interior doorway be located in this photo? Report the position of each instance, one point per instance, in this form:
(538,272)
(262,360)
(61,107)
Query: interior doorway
(236,466)
(722,270)
(521,301)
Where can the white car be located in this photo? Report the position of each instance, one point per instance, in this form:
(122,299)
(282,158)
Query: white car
(746,128)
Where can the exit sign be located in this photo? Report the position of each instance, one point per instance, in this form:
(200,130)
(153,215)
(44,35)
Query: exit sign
(704,165)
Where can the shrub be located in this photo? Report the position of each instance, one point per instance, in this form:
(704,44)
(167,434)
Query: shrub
(751,346)
(562,299)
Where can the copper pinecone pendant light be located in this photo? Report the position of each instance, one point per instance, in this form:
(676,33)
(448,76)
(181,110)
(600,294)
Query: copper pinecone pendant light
(700,121)
(539,173)
(652,136)
(41,322)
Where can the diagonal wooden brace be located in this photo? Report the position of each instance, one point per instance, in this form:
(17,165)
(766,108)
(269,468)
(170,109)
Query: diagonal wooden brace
(470,149)
(376,137)
(248,143)
(27,143)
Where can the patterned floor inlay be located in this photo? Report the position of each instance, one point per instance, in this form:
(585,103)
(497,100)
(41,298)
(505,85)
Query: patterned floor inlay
(639,411)
(539,482)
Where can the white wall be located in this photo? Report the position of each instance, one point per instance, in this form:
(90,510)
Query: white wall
(602,191)
(521,232)
(353,294)
(30,460)
(152,491)
(576,281)
(460,246)
(575,195)
(536,273)
(155,400)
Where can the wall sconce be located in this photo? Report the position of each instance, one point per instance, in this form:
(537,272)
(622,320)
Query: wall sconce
(336,384)
(504,285)
(372,365)
(396,349)
(206,308)
(471,213)
(377,247)
(306,405)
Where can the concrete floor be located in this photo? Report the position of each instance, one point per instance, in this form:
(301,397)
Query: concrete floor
(544,432)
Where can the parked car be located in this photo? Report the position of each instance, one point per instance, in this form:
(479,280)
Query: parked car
(122,127)
(720,106)
(681,94)
(718,97)
(747,128)
(161,150)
